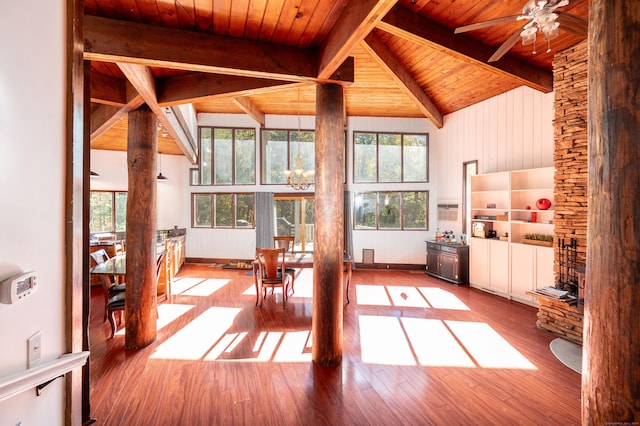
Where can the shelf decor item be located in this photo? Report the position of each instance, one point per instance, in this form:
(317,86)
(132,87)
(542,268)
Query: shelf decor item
(543,204)
(538,240)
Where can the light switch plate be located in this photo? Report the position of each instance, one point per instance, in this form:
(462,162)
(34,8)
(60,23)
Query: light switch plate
(34,349)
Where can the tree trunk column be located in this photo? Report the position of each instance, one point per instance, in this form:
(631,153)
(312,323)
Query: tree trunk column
(328,242)
(611,354)
(141,294)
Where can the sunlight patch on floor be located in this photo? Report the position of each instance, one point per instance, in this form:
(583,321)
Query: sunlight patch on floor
(406,296)
(441,299)
(433,343)
(168,312)
(487,347)
(179,285)
(429,342)
(382,341)
(195,339)
(372,295)
(206,287)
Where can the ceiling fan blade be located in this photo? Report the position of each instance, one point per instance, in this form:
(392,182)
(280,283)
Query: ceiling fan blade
(488,23)
(511,41)
(573,23)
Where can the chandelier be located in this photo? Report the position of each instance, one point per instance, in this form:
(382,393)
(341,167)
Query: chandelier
(299,178)
(543,19)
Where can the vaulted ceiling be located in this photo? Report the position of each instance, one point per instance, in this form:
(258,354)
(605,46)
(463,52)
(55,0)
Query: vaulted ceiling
(259,57)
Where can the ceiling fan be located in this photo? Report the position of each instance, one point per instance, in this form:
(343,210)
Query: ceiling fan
(540,15)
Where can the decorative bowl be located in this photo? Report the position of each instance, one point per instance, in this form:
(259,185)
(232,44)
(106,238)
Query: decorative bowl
(543,204)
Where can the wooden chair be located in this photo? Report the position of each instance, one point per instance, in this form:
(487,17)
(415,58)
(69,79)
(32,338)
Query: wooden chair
(117,302)
(270,265)
(288,243)
(109,284)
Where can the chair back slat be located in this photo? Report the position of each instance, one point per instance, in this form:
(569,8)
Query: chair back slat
(269,261)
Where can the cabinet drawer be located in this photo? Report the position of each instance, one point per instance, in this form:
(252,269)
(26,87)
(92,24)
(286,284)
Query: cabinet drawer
(449,249)
(433,247)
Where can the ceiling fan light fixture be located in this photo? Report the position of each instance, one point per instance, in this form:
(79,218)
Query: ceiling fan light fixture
(529,35)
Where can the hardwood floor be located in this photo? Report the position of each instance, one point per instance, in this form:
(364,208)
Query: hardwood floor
(417,350)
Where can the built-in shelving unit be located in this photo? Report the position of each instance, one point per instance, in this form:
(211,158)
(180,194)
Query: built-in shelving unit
(503,212)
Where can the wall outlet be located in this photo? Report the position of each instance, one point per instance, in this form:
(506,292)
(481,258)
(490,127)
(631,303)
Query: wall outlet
(34,349)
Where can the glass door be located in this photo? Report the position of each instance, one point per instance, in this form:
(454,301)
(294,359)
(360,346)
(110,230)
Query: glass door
(294,216)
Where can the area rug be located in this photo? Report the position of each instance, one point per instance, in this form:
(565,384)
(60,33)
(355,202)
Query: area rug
(568,353)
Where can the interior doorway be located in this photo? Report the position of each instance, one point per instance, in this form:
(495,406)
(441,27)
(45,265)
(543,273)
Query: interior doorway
(294,216)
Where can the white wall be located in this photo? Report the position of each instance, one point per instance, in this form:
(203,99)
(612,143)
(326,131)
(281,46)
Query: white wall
(32,164)
(512,131)
(172,208)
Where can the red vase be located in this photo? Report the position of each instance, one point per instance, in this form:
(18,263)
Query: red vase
(543,204)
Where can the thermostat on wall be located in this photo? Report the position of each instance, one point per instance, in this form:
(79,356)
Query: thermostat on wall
(18,287)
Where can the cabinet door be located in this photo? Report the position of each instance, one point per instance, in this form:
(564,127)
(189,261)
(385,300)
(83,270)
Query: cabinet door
(522,272)
(478,262)
(499,267)
(432,261)
(449,266)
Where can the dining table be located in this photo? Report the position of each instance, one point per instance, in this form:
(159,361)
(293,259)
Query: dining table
(302,260)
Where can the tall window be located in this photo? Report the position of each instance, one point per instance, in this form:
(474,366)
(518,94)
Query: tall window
(280,151)
(107,211)
(391,210)
(222,210)
(390,157)
(227,157)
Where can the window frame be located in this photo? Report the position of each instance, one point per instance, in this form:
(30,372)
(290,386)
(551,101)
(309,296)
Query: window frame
(114,211)
(212,204)
(402,172)
(377,196)
(197,176)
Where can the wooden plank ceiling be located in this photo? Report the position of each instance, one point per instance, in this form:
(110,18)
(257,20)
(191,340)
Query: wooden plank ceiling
(394,58)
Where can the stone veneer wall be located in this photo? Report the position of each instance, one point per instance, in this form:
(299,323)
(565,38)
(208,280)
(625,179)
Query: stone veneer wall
(570,159)
(570,152)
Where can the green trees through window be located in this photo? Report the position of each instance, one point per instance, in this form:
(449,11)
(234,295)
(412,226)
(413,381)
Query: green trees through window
(223,210)
(107,211)
(391,210)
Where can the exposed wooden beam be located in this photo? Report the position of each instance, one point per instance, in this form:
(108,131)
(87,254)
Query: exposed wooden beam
(106,116)
(140,77)
(109,40)
(390,64)
(353,26)
(250,108)
(410,26)
(108,90)
(195,86)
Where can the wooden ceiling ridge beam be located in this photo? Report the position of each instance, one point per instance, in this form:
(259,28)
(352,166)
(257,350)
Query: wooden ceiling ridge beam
(109,40)
(360,18)
(406,24)
(195,86)
(142,79)
(392,66)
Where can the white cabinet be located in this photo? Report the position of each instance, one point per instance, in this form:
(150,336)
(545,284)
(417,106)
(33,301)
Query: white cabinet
(531,268)
(504,204)
(487,261)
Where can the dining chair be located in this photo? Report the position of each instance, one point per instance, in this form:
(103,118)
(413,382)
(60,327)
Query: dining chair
(270,265)
(109,284)
(288,243)
(116,303)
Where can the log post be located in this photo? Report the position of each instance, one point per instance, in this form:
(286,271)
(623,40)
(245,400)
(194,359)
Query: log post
(611,353)
(328,241)
(141,294)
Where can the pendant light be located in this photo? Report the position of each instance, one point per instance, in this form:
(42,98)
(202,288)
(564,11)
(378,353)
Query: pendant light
(161,177)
